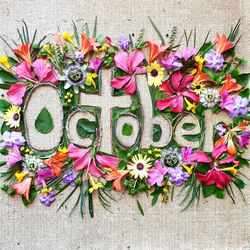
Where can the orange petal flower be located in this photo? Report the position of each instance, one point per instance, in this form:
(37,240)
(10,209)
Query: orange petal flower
(200,77)
(87,45)
(56,162)
(23,188)
(59,42)
(24,52)
(230,85)
(117,176)
(222,44)
(155,50)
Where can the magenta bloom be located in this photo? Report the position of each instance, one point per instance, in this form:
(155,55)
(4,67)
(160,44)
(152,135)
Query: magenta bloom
(130,64)
(156,175)
(43,175)
(94,64)
(186,53)
(171,62)
(84,159)
(16,93)
(10,139)
(177,176)
(192,158)
(13,157)
(243,139)
(175,101)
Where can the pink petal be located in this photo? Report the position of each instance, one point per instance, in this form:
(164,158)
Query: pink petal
(219,150)
(222,179)
(229,159)
(201,157)
(108,161)
(41,69)
(13,156)
(187,79)
(166,87)
(131,87)
(52,76)
(176,79)
(134,59)
(121,60)
(166,103)
(23,71)
(190,95)
(178,105)
(119,82)
(16,93)
(93,170)
(140,70)
(82,162)
(108,40)
(75,152)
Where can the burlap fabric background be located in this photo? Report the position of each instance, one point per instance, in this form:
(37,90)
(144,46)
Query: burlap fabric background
(215,224)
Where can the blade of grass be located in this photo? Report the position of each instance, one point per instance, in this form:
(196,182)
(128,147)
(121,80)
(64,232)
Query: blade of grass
(82,200)
(74,207)
(76,33)
(71,193)
(34,37)
(95,27)
(131,42)
(24,36)
(91,211)
(27,31)
(20,36)
(140,207)
(6,42)
(157,31)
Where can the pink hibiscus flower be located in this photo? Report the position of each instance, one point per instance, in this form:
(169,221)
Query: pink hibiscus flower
(130,64)
(156,175)
(192,158)
(23,188)
(175,101)
(16,93)
(14,156)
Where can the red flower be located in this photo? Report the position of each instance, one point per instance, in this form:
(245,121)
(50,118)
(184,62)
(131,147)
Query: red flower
(222,44)
(24,52)
(155,50)
(117,176)
(175,101)
(23,188)
(230,85)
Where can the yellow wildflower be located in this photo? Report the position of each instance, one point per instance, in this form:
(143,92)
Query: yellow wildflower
(104,47)
(200,60)
(90,78)
(198,88)
(63,150)
(4,61)
(20,176)
(189,169)
(12,116)
(46,191)
(193,72)
(94,185)
(155,74)
(190,106)
(231,170)
(67,37)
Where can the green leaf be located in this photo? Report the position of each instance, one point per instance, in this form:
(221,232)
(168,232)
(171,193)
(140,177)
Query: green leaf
(4,151)
(85,127)
(155,195)
(208,190)
(100,39)
(247,118)
(156,133)
(6,76)
(13,61)
(243,79)
(219,193)
(2,163)
(205,48)
(4,86)
(245,93)
(172,193)
(194,137)
(95,26)
(239,183)
(44,123)
(91,210)
(140,207)
(76,33)
(127,129)
(32,196)
(4,128)
(188,126)
(4,106)
(157,31)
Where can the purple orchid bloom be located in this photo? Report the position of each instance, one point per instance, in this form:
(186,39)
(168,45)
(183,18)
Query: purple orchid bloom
(214,61)
(79,56)
(177,176)
(186,53)
(14,156)
(43,175)
(226,102)
(243,139)
(48,199)
(13,138)
(124,43)
(156,175)
(70,178)
(239,105)
(94,64)
(171,62)
(221,130)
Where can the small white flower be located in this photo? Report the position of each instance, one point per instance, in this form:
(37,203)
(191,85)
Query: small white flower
(209,98)
(32,164)
(171,158)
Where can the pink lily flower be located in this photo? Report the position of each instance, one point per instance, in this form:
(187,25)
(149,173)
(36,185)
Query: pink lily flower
(130,64)
(175,101)
(16,93)
(156,175)
(192,158)
(23,188)
(13,157)
(43,175)
(84,159)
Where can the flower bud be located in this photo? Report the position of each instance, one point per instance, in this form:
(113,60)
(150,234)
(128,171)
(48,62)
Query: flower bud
(4,187)
(78,181)
(11,191)
(133,109)
(35,46)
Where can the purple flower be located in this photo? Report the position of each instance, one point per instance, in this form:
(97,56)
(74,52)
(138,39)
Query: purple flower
(43,175)
(214,61)
(124,42)
(94,64)
(243,139)
(48,199)
(226,102)
(79,56)
(177,176)
(156,175)
(239,106)
(220,129)
(170,62)
(13,138)
(70,178)
(13,157)
(186,53)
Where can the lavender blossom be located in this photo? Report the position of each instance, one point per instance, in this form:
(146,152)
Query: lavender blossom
(48,199)
(171,62)
(186,53)
(214,61)
(124,42)
(221,130)
(13,138)
(239,106)
(79,56)
(70,178)
(177,176)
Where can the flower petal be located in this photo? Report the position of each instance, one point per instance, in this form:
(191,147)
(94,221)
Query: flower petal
(134,59)
(121,59)
(119,82)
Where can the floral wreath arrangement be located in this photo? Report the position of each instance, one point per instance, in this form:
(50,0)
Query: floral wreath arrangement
(181,81)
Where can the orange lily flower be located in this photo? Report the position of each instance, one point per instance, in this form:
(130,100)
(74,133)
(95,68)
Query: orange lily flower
(56,162)
(87,45)
(155,50)
(24,52)
(23,188)
(230,85)
(222,44)
(117,176)
(200,77)
(228,137)
(59,42)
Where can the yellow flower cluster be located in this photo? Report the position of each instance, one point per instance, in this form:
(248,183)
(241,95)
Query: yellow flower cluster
(68,97)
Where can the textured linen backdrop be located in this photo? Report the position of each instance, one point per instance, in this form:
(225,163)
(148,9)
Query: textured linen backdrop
(215,224)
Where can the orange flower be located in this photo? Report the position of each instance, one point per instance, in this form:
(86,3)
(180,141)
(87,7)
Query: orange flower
(230,85)
(56,162)
(227,139)
(24,52)
(87,45)
(222,44)
(155,50)
(200,77)
(117,176)
(59,42)
(23,188)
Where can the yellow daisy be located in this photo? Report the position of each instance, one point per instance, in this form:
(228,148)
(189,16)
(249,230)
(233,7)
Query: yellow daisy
(12,116)
(155,74)
(198,88)
(140,166)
